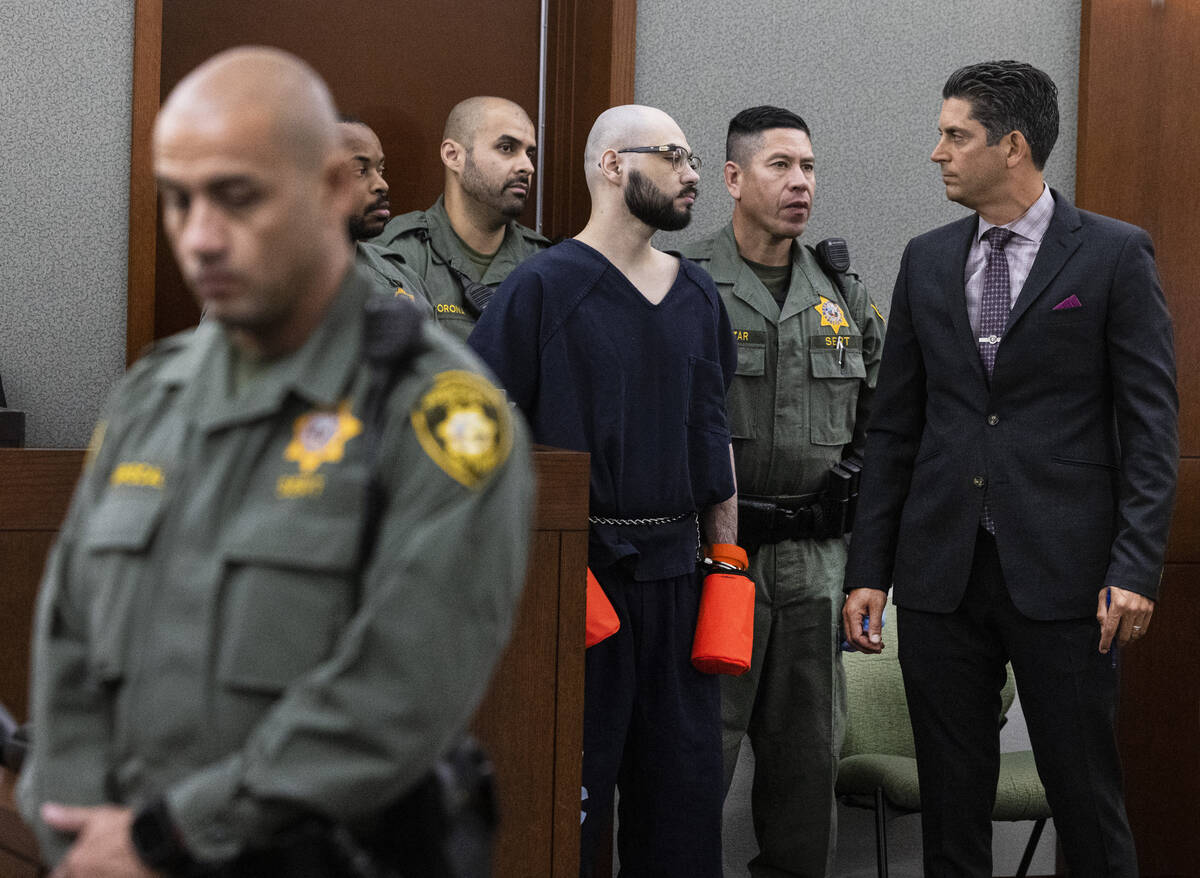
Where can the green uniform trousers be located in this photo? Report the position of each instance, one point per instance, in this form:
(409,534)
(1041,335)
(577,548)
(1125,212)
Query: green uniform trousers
(792,704)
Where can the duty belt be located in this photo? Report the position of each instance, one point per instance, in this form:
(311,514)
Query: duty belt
(822,515)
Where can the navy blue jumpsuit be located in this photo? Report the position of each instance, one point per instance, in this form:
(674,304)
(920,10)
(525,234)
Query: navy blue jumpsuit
(596,367)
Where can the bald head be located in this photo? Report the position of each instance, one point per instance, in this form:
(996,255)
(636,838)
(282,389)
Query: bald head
(257,85)
(255,194)
(470,115)
(628,125)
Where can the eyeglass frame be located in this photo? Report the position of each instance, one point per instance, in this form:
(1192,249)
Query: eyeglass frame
(680,153)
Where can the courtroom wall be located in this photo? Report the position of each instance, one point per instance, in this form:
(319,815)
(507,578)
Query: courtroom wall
(867,78)
(65,89)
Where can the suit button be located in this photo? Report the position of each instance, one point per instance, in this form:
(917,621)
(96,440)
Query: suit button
(993,420)
(978,481)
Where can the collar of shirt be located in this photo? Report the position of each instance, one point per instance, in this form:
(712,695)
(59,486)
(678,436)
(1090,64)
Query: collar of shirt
(1028,230)
(1031,225)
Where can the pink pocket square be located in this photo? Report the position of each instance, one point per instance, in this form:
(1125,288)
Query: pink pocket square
(1068,303)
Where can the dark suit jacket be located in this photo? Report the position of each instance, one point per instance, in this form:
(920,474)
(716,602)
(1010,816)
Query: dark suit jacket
(1074,439)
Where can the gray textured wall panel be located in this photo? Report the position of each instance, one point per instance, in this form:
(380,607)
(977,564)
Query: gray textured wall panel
(867,78)
(66,90)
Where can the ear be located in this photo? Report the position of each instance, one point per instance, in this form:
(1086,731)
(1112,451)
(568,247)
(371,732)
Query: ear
(733,180)
(454,155)
(1016,149)
(610,166)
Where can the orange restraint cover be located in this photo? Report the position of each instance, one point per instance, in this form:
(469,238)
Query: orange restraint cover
(602,619)
(725,627)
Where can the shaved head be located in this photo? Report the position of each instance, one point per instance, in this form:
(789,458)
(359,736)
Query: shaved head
(628,125)
(255,194)
(286,95)
(467,116)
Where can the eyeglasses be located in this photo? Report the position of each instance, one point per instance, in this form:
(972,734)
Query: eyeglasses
(679,155)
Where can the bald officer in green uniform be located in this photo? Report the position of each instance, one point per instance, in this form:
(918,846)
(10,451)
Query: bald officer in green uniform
(808,353)
(469,240)
(258,609)
(370,213)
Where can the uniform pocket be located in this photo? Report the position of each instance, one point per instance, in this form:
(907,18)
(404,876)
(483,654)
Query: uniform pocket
(118,534)
(289,590)
(837,374)
(752,358)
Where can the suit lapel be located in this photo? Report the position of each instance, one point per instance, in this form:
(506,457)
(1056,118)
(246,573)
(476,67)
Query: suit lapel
(954,282)
(1060,241)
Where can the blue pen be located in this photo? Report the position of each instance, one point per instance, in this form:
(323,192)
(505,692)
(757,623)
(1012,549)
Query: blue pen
(1113,646)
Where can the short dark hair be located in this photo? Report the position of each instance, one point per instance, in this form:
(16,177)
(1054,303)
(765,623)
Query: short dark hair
(748,126)
(1010,96)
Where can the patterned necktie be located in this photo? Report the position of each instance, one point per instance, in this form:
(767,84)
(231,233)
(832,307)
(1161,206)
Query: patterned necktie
(996,302)
(993,315)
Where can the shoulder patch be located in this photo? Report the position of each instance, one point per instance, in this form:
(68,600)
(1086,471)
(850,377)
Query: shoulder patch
(464,425)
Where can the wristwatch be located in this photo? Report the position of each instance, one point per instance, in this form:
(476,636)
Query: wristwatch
(157,840)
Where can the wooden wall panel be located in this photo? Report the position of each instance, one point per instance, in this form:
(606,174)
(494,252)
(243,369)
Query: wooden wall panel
(35,489)
(1138,124)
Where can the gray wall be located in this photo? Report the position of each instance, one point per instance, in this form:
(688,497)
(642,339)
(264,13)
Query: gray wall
(867,79)
(65,90)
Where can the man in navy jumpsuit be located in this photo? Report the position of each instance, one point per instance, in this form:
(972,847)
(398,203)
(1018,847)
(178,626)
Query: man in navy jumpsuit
(612,347)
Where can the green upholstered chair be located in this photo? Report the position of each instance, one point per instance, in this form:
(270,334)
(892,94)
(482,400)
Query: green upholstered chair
(878,768)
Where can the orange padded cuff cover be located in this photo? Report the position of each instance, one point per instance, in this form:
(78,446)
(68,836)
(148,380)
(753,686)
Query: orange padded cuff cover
(729,553)
(725,626)
(602,619)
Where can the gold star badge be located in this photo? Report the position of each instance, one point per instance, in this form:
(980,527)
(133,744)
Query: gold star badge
(831,315)
(321,436)
(464,426)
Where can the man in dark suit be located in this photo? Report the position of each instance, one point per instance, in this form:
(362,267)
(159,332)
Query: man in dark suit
(1019,478)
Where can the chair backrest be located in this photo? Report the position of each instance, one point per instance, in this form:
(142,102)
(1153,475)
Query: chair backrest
(877,713)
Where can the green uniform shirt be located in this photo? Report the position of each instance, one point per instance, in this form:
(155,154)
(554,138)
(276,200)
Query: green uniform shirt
(429,246)
(389,273)
(804,370)
(206,630)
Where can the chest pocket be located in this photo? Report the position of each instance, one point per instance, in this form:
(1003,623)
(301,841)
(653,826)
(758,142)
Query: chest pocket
(743,394)
(289,588)
(113,548)
(837,375)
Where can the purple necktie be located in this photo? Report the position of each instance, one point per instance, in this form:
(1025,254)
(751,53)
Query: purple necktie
(993,315)
(996,301)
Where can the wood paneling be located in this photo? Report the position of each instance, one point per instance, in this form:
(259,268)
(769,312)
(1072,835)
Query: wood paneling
(1138,123)
(1158,725)
(143,201)
(590,60)
(35,489)
(18,849)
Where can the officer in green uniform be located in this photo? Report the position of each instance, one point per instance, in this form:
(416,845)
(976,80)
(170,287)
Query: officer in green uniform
(469,240)
(365,162)
(258,609)
(809,346)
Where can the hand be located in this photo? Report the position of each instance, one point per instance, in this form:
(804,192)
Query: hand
(1126,616)
(864,602)
(103,845)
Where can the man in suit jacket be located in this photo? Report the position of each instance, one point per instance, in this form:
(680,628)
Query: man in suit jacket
(1019,478)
